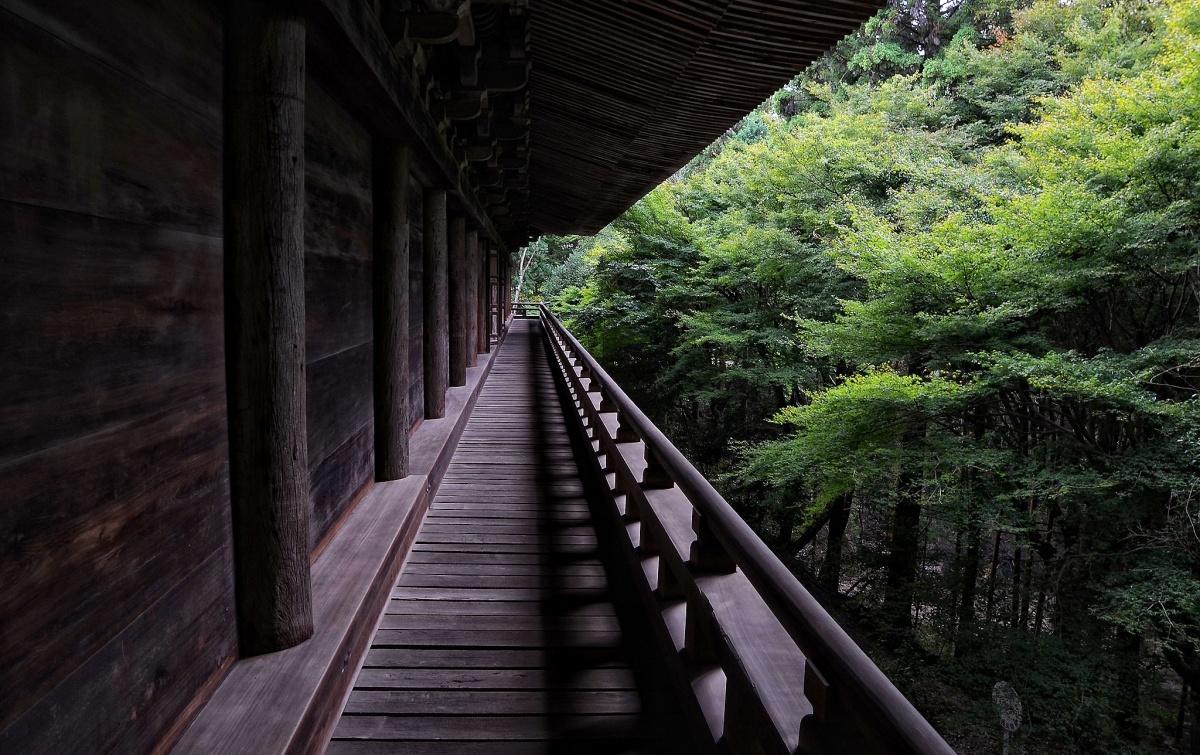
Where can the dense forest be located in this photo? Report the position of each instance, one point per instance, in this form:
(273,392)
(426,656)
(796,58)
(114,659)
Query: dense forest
(929,316)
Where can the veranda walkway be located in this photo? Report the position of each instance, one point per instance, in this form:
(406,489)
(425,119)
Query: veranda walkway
(504,633)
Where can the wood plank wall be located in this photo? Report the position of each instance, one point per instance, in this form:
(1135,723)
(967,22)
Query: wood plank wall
(117,604)
(117,615)
(337,304)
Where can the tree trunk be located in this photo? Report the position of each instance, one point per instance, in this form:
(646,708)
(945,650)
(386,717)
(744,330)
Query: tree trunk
(1015,603)
(1195,738)
(991,596)
(839,517)
(902,566)
(966,603)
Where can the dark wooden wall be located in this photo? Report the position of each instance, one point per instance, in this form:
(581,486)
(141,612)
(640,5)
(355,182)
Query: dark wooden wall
(337,303)
(117,615)
(116,608)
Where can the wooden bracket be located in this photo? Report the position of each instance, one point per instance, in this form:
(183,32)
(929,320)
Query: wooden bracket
(625,432)
(707,554)
(655,477)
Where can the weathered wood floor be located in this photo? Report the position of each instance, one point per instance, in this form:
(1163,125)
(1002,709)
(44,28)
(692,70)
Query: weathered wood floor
(501,635)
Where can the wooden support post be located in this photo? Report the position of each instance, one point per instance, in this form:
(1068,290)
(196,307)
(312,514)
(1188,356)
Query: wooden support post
(471,261)
(264,322)
(481,298)
(493,316)
(456,275)
(437,337)
(505,291)
(391,234)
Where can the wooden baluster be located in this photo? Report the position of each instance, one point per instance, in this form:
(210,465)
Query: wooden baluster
(707,554)
(669,587)
(829,728)
(700,637)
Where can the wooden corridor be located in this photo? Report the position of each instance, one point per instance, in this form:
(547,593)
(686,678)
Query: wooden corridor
(502,634)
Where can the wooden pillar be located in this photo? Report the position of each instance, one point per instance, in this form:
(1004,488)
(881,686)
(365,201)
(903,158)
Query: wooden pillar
(264,322)
(472,297)
(481,268)
(505,293)
(437,338)
(493,316)
(389,180)
(456,274)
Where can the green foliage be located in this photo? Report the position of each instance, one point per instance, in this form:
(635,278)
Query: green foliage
(952,268)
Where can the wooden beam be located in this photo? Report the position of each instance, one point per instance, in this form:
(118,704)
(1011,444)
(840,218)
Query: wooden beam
(456,274)
(391,233)
(471,296)
(437,341)
(264,311)
(353,58)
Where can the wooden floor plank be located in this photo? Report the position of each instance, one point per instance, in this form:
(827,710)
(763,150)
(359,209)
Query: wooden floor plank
(497,608)
(500,635)
(502,679)
(540,622)
(489,728)
(591,569)
(442,702)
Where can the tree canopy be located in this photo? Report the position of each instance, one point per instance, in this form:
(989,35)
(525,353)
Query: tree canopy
(930,316)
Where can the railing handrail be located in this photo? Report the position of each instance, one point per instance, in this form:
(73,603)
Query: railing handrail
(815,632)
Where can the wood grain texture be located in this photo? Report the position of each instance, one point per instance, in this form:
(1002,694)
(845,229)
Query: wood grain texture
(137,690)
(290,701)
(391,308)
(87,129)
(456,300)
(436,335)
(481,294)
(471,296)
(338,304)
(113,455)
(416,305)
(479,644)
(264,309)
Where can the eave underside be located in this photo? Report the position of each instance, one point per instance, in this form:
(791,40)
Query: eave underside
(624,93)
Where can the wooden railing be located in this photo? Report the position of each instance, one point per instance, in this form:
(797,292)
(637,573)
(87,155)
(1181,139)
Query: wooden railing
(770,670)
(526,309)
